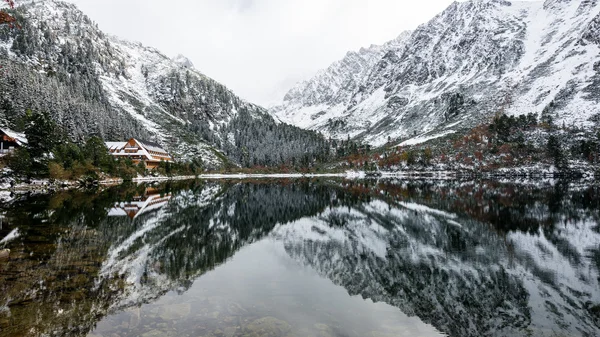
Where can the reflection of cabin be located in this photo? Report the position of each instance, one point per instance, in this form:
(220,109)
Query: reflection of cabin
(10,140)
(151,200)
(139,151)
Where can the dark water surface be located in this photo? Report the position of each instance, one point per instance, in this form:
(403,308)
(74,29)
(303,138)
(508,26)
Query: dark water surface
(304,258)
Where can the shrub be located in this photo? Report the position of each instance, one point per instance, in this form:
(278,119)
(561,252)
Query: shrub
(57,171)
(427,155)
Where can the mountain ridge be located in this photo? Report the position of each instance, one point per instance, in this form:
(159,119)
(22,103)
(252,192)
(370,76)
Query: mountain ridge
(471,61)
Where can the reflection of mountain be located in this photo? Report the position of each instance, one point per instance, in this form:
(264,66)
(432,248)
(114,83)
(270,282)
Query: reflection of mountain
(505,261)
(94,263)
(198,230)
(461,275)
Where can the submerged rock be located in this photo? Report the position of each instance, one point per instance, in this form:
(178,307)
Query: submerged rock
(153,333)
(4,254)
(267,327)
(175,311)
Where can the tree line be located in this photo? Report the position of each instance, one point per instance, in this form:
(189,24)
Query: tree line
(49,153)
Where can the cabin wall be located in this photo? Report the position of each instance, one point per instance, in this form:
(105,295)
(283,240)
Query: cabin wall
(7,146)
(152,165)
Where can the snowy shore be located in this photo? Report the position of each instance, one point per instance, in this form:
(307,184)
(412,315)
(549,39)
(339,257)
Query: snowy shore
(8,186)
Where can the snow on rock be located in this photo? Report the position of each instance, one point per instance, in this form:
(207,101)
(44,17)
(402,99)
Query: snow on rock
(183,61)
(423,139)
(11,236)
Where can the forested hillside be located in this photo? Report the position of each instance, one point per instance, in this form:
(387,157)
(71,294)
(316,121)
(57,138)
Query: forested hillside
(57,61)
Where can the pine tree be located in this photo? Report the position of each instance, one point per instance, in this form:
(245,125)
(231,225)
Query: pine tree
(96,151)
(41,134)
(555,152)
(20,162)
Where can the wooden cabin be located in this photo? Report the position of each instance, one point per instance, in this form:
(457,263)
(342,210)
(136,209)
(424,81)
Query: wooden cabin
(10,140)
(151,154)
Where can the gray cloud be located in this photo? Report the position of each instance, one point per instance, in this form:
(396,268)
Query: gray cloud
(259,48)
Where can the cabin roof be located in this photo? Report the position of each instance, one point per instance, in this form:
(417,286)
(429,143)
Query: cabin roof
(17,136)
(147,143)
(151,146)
(115,145)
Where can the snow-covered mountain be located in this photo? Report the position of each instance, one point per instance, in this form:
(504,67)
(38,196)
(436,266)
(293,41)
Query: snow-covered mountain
(471,61)
(60,62)
(336,84)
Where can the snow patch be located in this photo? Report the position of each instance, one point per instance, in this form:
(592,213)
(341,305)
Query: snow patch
(11,236)
(423,139)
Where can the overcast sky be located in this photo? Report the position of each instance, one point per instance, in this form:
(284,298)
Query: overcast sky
(260,48)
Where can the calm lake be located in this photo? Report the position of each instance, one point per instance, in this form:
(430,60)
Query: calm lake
(320,257)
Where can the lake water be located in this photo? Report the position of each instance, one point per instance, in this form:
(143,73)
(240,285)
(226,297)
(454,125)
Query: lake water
(322,257)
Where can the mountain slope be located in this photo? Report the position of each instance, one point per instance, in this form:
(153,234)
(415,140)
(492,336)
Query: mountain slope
(91,83)
(335,85)
(471,61)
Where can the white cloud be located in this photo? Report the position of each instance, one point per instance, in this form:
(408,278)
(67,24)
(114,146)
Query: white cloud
(259,48)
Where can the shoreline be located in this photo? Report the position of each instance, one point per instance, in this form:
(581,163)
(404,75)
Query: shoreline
(45,185)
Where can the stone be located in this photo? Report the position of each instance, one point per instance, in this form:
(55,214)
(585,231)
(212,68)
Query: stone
(267,327)
(323,330)
(153,333)
(134,318)
(174,311)
(4,254)
(236,309)
(229,332)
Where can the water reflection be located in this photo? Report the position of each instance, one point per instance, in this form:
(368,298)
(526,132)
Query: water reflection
(263,292)
(308,258)
(152,199)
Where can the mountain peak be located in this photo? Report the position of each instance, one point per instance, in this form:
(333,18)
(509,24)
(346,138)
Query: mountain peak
(183,61)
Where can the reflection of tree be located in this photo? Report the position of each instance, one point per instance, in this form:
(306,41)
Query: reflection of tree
(506,207)
(457,277)
(242,214)
(54,265)
(52,281)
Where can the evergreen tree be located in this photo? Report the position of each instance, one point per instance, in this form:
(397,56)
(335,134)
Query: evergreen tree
(41,134)
(20,162)
(555,152)
(96,151)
